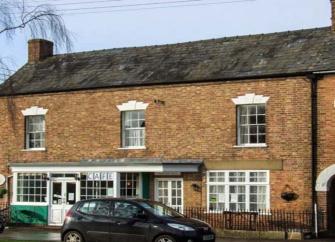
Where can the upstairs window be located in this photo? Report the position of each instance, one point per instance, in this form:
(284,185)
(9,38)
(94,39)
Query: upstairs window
(251,120)
(35,132)
(34,128)
(133,129)
(251,124)
(133,124)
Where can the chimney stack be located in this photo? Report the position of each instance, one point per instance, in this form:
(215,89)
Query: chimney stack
(39,49)
(332,3)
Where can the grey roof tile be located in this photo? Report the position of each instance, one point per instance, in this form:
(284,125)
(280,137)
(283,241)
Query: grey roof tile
(293,52)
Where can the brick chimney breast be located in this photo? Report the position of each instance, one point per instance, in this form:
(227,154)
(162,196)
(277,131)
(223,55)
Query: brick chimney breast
(39,49)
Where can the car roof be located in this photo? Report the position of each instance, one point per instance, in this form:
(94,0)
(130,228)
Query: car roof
(117,199)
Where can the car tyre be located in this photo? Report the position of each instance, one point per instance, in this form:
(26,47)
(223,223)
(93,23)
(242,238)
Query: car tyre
(73,236)
(165,238)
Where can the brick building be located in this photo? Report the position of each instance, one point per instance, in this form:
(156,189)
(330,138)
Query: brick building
(233,123)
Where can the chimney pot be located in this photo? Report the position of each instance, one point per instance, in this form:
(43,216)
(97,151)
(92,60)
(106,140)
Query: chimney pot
(39,49)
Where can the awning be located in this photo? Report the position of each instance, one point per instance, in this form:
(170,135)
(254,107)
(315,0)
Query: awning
(115,165)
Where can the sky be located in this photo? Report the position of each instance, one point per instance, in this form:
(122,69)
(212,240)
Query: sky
(159,23)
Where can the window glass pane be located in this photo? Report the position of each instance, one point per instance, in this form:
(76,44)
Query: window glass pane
(260,109)
(258,177)
(262,139)
(126,210)
(236,176)
(261,119)
(253,139)
(252,110)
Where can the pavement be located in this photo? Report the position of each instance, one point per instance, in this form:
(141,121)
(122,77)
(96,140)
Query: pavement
(53,235)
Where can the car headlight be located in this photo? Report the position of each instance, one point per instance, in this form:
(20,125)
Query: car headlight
(181,227)
(209,226)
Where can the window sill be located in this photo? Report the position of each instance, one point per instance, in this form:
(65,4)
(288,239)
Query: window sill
(251,146)
(133,148)
(35,149)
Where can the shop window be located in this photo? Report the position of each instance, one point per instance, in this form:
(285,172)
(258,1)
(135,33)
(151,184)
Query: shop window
(234,191)
(133,129)
(91,188)
(31,187)
(129,185)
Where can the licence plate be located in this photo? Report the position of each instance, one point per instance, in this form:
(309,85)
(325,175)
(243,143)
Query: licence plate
(208,237)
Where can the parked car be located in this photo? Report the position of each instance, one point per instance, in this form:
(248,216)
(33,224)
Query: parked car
(124,220)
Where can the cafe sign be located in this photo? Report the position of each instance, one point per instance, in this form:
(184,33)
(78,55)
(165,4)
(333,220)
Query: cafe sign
(100,176)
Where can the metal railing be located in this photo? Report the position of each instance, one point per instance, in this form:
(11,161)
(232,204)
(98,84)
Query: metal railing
(262,220)
(5,212)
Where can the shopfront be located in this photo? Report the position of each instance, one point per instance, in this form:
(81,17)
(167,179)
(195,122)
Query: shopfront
(43,193)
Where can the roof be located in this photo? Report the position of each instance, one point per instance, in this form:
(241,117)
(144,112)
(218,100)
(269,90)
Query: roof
(288,53)
(113,162)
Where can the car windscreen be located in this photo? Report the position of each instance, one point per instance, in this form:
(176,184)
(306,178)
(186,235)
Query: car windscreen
(160,210)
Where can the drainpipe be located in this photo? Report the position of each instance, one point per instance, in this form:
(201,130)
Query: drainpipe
(314,106)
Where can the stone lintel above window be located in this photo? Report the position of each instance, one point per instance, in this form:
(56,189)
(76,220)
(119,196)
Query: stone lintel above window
(132,105)
(34,111)
(250,98)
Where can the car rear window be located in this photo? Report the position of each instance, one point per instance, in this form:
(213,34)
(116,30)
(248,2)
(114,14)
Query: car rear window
(95,208)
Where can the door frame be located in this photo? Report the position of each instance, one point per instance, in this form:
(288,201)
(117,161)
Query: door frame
(169,180)
(63,181)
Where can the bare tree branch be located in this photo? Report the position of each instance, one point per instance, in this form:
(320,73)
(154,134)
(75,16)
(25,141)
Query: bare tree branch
(41,21)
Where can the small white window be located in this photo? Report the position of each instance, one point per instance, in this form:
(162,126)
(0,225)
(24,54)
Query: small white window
(35,132)
(238,190)
(133,129)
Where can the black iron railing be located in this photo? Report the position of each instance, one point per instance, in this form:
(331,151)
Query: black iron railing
(262,220)
(5,212)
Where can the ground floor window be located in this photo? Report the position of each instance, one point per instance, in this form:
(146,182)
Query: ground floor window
(238,190)
(31,187)
(96,185)
(129,185)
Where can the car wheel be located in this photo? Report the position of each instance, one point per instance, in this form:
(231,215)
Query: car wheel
(73,236)
(165,238)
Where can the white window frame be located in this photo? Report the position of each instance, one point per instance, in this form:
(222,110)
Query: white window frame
(249,99)
(27,140)
(170,180)
(34,111)
(124,129)
(140,188)
(239,126)
(14,197)
(247,185)
(128,107)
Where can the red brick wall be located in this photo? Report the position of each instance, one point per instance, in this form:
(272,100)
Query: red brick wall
(197,121)
(326,136)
